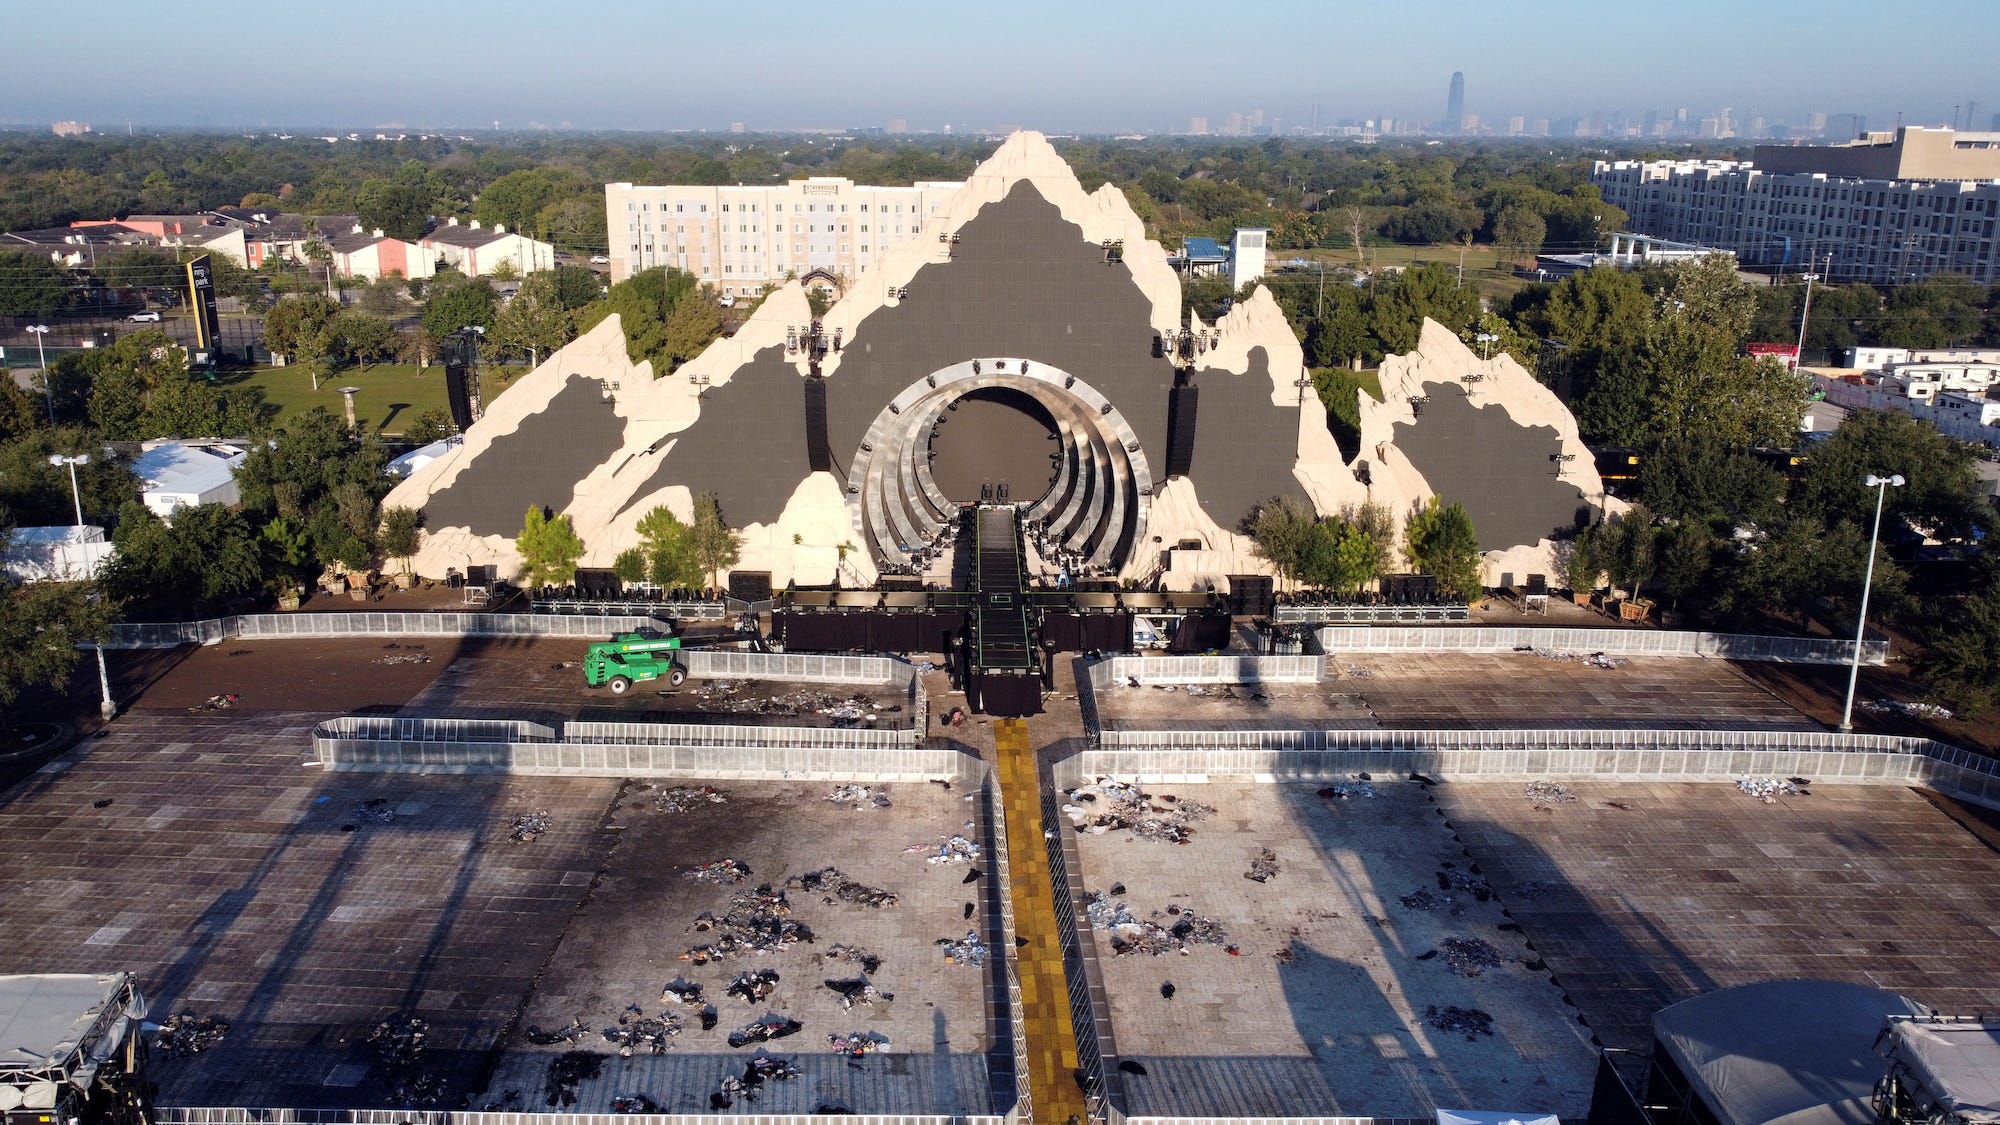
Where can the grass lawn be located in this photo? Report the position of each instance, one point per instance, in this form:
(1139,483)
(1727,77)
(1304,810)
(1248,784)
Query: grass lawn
(391,397)
(1483,268)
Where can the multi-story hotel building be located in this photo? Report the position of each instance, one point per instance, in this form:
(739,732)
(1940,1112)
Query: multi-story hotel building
(1888,208)
(738,238)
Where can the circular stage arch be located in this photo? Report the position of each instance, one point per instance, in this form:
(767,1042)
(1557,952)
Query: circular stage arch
(1093,510)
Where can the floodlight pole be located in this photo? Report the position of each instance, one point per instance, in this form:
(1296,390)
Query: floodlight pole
(1881,485)
(105,707)
(42,360)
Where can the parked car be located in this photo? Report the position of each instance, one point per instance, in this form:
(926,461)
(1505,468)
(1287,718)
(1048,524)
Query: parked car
(150,315)
(599,260)
(728,302)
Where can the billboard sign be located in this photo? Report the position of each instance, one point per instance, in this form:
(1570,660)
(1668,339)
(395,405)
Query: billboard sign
(201,302)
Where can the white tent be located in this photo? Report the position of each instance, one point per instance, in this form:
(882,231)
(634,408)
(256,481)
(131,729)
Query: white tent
(1492,1117)
(1948,1069)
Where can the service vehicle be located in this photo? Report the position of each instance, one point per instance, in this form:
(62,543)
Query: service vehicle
(631,658)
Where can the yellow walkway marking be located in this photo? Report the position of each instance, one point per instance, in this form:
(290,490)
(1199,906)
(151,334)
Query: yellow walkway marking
(1045,1017)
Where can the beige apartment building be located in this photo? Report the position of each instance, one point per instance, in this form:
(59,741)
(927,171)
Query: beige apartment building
(739,238)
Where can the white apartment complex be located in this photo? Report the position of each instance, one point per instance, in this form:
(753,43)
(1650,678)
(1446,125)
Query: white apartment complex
(739,238)
(1889,208)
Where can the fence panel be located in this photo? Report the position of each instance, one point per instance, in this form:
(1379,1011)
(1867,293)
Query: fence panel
(234,1115)
(1615,642)
(397,623)
(1227,668)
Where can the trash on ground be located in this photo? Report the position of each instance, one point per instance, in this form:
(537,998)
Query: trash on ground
(858,1043)
(753,987)
(529,827)
(217,703)
(186,1034)
(574,1033)
(858,990)
(1769,789)
(1107,805)
(687,798)
(375,810)
(565,1072)
(1470,1022)
(853,955)
(719,871)
(399,1041)
(636,1030)
(957,849)
(968,950)
(833,887)
(1347,790)
(404,658)
(765,1030)
(1174,931)
(1548,793)
(682,991)
(634,1103)
(1469,957)
(858,796)
(1263,866)
(758,921)
(1916,710)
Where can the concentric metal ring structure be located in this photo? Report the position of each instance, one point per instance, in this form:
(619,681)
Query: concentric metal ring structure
(1096,509)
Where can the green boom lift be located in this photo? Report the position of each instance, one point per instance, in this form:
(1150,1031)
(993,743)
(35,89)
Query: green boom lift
(631,658)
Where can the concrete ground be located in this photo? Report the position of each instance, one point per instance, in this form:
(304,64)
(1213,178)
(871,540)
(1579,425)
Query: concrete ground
(1324,1007)
(1642,894)
(626,943)
(1470,690)
(202,853)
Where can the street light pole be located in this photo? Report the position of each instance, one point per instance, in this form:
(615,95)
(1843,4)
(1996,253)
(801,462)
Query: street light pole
(1881,485)
(105,706)
(42,359)
(1799,357)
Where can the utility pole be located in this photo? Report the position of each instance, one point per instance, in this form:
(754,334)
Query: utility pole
(1799,358)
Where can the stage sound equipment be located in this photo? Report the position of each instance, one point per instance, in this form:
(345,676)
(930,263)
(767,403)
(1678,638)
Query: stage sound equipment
(819,448)
(1183,404)
(458,394)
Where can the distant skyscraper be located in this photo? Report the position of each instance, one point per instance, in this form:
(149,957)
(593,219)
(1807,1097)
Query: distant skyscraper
(1233,125)
(898,125)
(1971,115)
(1516,125)
(1454,103)
(1197,125)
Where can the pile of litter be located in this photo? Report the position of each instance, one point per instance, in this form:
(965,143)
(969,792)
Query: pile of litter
(184,1035)
(1263,867)
(1347,790)
(573,1033)
(720,872)
(565,1072)
(679,991)
(634,1103)
(635,1029)
(375,810)
(686,798)
(858,990)
(753,987)
(529,827)
(404,658)
(217,703)
(1451,878)
(727,697)
(1912,710)
(1469,957)
(1594,660)
(764,1031)
(958,849)
(758,921)
(1132,934)
(400,1041)
(833,886)
(1424,900)
(853,955)
(858,797)
(858,1043)
(1769,789)
(760,1069)
(1547,793)
(1357,672)
(1470,1022)
(1108,806)
(968,950)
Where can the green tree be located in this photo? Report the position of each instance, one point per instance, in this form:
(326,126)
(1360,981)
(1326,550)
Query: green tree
(694,323)
(37,494)
(142,267)
(576,223)
(1398,306)
(535,321)
(1443,543)
(402,533)
(1686,558)
(456,302)
(31,285)
(400,206)
(549,548)
(643,304)
(716,545)
(1960,665)
(518,198)
(42,625)
(1627,547)
(575,286)
(432,425)
(630,565)
(1695,477)
(298,473)
(669,548)
(299,324)
(197,564)
(1941,496)
(1595,311)
(1519,232)
(1282,529)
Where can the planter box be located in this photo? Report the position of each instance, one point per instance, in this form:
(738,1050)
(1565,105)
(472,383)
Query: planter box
(402,582)
(1581,598)
(1634,610)
(289,601)
(358,593)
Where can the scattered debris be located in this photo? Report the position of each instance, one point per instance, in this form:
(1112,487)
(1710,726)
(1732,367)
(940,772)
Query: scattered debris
(1115,805)
(400,1041)
(719,871)
(1470,1022)
(1167,990)
(968,950)
(635,1029)
(758,921)
(858,1043)
(1769,789)
(529,827)
(957,849)
(572,1034)
(186,1034)
(854,955)
(1469,957)
(375,810)
(681,991)
(216,703)
(1131,934)
(1548,793)
(1357,672)
(103,802)
(687,798)
(765,1030)
(565,1072)
(1263,866)
(858,990)
(833,887)
(634,1103)
(404,658)
(771,1068)
(1346,790)
(732,698)
(1594,660)
(753,987)
(1916,710)
(858,797)
(1424,900)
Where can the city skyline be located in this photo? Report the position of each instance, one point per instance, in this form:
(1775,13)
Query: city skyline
(1064,69)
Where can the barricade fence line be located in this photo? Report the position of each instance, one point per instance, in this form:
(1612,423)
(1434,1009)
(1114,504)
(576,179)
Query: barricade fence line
(231,1115)
(1293,614)
(1341,639)
(1228,668)
(773,759)
(399,623)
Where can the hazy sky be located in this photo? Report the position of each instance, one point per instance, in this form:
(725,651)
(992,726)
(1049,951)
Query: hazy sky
(1070,65)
